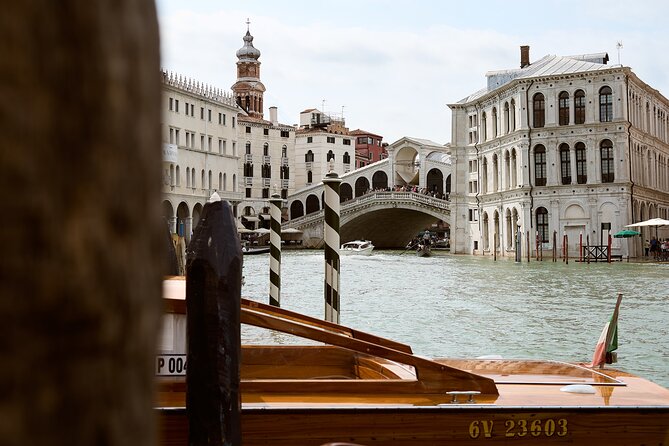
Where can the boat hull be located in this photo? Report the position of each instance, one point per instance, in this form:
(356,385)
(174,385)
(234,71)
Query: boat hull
(448,424)
(356,252)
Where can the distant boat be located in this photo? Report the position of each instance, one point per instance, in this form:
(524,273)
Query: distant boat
(249,250)
(423,250)
(357,247)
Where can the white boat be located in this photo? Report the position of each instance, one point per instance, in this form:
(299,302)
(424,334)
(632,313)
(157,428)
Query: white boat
(357,247)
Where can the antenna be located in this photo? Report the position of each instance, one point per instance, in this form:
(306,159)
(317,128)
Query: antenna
(619,45)
(342,112)
(323,106)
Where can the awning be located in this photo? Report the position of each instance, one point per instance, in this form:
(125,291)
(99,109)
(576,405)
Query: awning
(250,218)
(265,216)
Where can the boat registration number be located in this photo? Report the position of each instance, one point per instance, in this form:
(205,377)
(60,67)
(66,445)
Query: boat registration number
(518,428)
(170,365)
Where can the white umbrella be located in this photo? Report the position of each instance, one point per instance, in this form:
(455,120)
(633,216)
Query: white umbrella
(262,231)
(291,231)
(651,222)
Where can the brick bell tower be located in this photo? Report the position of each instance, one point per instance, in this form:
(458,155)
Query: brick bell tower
(248,89)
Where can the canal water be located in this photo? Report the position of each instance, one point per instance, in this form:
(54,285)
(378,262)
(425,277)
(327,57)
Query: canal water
(466,306)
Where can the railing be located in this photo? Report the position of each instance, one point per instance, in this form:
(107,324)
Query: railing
(391,197)
(248,181)
(309,165)
(284,184)
(266,159)
(284,161)
(596,253)
(248,158)
(266,182)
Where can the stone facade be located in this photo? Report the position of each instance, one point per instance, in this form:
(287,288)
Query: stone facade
(564,145)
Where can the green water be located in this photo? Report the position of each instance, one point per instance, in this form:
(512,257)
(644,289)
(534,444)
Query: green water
(464,306)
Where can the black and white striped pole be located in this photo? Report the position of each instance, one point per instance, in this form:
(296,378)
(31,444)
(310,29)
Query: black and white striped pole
(331,238)
(275,250)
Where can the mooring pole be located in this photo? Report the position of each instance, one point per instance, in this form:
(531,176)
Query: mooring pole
(580,247)
(331,238)
(587,245)
(609,248)
(275,250)
(494,246)
(566,248)
(528,246)
(213,294)
(554,250)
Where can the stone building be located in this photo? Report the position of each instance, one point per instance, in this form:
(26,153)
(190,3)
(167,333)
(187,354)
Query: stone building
(369,148)
(565,145)
(322,142)
(200,151)
(268,147)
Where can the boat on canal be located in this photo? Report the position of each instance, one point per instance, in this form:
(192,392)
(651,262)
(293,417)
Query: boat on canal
(423,250)
(343,385)
(357,247)
(247,249)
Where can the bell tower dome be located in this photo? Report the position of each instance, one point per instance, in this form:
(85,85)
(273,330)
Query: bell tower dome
(248,89)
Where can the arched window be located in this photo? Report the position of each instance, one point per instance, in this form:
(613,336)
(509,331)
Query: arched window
(187,176)
(172,175)
(202,183)
(579,107)
(506,118)
(310,177)
(581,166)
(512,115)
(538,106)
(284,151)
(540,165)
(330,156)
(605,104)
(234,182)
(563,108)
(565,164)
(542,224)
(265,149)
(494,122)
(606,151)
(192,174)
(248,148)
(178,174)
(484,127)
(225,182)
(220,181)
(309,157)
(347,158)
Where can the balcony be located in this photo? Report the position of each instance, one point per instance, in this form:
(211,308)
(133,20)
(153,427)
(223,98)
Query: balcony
(284,161)
(284,184)
(248,158)
(266,159)
(309,165)
(347,168)
(248,181)
(266,182)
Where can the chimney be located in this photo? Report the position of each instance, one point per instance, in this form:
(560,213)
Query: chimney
(524,56)
(272,116)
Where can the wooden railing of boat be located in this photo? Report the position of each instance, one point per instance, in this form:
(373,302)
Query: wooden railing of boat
(375,365)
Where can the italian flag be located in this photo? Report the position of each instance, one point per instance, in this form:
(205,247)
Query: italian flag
(608,340)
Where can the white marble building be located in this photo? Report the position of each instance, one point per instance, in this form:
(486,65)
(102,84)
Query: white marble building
(569,145)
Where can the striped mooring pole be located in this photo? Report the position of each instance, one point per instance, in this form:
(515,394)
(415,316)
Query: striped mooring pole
(331,238)
(275,250)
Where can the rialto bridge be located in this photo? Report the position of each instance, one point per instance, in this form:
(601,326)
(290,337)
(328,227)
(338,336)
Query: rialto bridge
(386,202)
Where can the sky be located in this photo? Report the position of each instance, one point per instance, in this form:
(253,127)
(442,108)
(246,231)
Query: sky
(392,67)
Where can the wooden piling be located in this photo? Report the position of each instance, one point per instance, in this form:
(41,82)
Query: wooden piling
(213,299)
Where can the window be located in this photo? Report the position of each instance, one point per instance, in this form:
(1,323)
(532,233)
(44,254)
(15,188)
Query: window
(171,136)
(192,110)
(362,140)
(186,104)
(284,151)
(540,165)
(285,134)
(284,173)
(542,224)
(265,132)
(579,107)
(506,117)
(202,142)
(234,148)
(563,108)
(233,121)
(330,156)
(309,157)
(310,177)
(512,115)
(209,115)
(209,143)
(248,129)
(310,139)
(565,164)
(248,148)
(331,140)
(581,166)
(176,136)
(171,106)
(248,169)
(266,171)
(347,158)
(370,156)
(538,106)
(347,142)
(484,129)
(248,192)
(265,192)
(494,122)
(220,118)
(605,104)
(606,150)
(265,149)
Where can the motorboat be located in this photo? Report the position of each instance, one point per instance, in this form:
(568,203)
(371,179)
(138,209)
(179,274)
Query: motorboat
(247,249)
(357,247)
(330,383)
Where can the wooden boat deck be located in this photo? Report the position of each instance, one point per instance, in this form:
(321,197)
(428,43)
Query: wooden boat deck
(355,387)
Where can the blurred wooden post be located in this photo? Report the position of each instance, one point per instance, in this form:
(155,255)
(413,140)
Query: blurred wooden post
(580,247)
(494,246)
(566,248)
(528,246)
(554,250)
(83,246)
(587,243)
